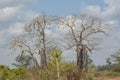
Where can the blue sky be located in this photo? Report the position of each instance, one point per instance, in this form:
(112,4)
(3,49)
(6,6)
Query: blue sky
(15,13)
(65,7)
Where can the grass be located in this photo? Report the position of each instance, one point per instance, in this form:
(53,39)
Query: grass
(108,78)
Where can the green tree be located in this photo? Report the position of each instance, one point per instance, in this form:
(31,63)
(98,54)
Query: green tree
(55,59)
(10,74)
(23,61)
(109,63)
(116,57)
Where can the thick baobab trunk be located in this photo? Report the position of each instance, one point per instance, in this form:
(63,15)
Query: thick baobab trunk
(42,52)
(43,61)
(81,57)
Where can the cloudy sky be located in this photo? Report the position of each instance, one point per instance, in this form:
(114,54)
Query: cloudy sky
(15,13)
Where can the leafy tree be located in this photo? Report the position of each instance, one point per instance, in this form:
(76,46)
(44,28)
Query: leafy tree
(116,57)
(109,63)
(55,59)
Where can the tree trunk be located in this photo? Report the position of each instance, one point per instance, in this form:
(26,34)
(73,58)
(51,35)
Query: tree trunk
(81,57)
(43,52)
(35,63)
(58,71)
(42,59)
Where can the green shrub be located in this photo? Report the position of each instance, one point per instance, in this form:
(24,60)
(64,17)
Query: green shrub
(112,73)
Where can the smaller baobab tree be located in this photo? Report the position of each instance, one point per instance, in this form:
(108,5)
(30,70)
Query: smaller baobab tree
(116,57)
(33,41)
(82,30)
(108,61)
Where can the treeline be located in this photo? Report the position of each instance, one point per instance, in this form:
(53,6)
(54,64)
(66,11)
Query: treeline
(112,67)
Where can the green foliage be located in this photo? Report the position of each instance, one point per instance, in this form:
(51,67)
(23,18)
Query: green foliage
(108,61)
(116,57)
(69,67)
(90,74)
(55,56)
(103,67)
(45,74)
(112,73)
(111,69)
(23,61)
(10,74)
(19,71)
(66,70)
(55,70)
(5,72)
(116,68)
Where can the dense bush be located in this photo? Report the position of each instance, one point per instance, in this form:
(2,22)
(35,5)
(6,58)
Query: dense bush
(10,74)
(57,69)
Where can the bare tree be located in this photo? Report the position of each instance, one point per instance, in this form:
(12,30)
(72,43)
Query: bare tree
(82,32)
(34,41)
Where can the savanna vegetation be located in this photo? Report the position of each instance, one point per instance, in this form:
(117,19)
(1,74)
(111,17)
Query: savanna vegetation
(40,57)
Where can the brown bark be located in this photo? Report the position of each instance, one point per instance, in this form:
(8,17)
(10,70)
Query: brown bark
(43,61)
(43,52)
(81,57)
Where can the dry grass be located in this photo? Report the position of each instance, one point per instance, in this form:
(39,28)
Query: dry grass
(108,78)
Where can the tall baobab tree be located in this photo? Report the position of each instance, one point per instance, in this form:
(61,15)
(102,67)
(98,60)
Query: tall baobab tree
(82,31)
(34,41)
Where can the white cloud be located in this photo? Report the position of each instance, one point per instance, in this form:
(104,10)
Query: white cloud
(110,13)
(13,15)
(113,9)
(112,2)
(107,47)
(27,15)
(4,3)
(8,12)
(93,10)
(16,28)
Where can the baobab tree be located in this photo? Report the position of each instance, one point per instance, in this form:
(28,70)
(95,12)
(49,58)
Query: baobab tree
(33,41)
(81,33)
